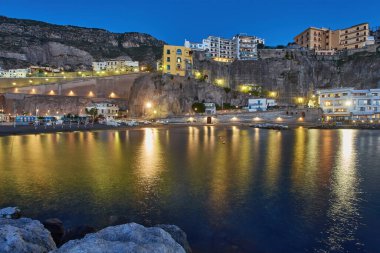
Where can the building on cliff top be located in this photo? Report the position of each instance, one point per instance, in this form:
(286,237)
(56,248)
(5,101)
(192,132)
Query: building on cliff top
(343,104)
(177,60)
(115,65)
(324,39)
(240,47)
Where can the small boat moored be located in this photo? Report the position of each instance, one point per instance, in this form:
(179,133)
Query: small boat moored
(270,126)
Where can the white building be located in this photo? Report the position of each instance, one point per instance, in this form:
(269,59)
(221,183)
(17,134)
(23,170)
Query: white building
(113,65)
(349,104)
(15,73)
(198,46)
(241,47)
(210,108)
(260,104)
(109,111)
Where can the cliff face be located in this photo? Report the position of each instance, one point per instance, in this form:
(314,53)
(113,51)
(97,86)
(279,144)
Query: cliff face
(25,42)
(297,73)
(169,96)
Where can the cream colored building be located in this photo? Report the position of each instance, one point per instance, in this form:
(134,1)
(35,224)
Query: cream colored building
(325,39)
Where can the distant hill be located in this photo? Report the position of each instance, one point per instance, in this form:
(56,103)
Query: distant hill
(25,42)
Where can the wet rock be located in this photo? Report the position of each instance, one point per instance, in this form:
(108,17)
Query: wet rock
(56,228)
(77,233)
(24,236)
(125,238)
(10,213)
(178,235)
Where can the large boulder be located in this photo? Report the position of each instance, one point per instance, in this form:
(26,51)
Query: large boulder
(10,213)
(24,236)
(178,235)
(125,238)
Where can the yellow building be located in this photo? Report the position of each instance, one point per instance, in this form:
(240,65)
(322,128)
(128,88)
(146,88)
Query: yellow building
(177,60)
(326,39)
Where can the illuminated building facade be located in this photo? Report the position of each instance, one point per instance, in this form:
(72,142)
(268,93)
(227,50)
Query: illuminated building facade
(349,104)
(240,47)
(177,60)
(323,39)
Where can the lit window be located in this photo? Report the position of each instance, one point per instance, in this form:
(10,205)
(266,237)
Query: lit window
(179,60)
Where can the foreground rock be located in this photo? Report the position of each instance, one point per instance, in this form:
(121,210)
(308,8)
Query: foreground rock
(125,238)
(178,235)
(24,236)
(10,213)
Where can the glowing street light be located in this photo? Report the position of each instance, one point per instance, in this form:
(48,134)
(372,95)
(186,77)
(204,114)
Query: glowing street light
(148,105)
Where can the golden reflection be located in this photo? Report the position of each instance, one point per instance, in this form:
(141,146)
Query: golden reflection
(273,159)
(150,157)
(343,212)
(298,167)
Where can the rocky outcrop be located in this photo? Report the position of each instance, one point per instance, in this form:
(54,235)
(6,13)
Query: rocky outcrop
(24,236)
(32,42)
(10,213)
(126,238)
(178,235)
(175,95)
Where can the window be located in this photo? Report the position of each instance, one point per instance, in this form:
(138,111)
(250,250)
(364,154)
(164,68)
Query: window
(168,51)
(179,52)
(167,67)
(179,60)
(168,59)
(179,67)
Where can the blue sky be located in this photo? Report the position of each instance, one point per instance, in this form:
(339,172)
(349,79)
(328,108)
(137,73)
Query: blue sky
(277,21)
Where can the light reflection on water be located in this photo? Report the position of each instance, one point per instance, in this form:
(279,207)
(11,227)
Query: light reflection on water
(230,188)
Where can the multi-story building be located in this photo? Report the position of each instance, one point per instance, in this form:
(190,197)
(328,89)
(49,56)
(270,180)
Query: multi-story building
(114,65)
(354,36)
(326,39)
(241,47)
(349,104)
(246,46)
(177,60)
(15,73)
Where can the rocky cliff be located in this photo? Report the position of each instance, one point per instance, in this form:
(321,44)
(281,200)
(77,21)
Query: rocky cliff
(26,42)
(296,73)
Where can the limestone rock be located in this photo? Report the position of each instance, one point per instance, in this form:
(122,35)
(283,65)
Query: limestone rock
(10,213)
(125,238)
(178,235)
(77,233)
(24,236)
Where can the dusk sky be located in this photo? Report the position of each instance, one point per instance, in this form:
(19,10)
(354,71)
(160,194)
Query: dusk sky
(174,20)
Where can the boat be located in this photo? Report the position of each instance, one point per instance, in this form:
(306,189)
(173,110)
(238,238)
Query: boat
(270,126)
